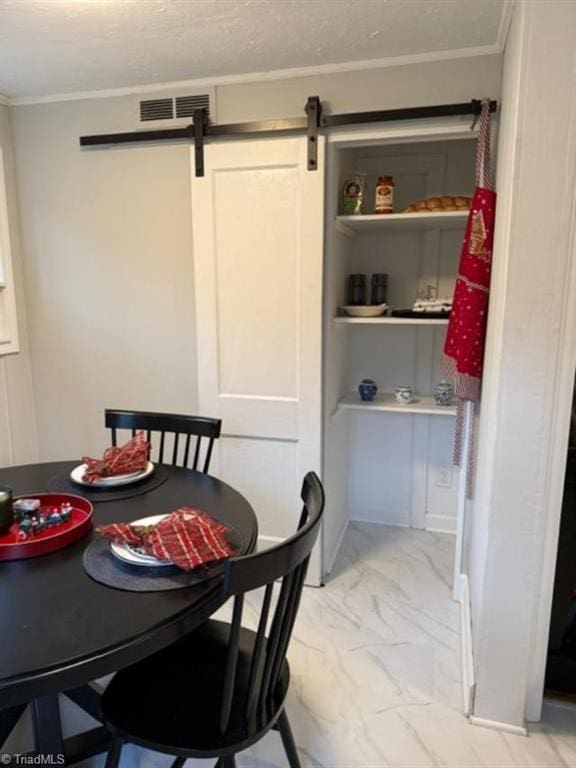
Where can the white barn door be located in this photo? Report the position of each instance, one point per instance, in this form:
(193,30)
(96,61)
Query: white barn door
(258,220)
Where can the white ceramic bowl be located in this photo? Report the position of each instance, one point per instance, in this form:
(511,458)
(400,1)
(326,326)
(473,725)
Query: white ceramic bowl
(365,310)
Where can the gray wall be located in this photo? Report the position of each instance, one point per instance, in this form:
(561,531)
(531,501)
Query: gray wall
(17,426)
(107,240)
(109,273)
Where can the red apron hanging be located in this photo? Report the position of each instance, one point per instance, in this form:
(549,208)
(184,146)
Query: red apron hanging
(464,346)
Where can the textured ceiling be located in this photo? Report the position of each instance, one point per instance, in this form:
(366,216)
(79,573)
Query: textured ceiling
(60,46)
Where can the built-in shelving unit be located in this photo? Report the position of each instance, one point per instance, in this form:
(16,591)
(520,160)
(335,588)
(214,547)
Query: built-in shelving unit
(390,320)
(422,405)
(398,222)
(386,462)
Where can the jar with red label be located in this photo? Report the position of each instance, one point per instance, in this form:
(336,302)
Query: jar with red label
(384,202)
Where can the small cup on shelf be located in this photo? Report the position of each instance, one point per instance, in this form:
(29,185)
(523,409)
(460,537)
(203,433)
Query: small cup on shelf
(404,395)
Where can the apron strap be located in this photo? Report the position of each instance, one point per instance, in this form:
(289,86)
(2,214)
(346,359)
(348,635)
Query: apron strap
(484,174)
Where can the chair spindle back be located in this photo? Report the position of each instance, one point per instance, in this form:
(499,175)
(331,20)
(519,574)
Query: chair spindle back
(287,562)
(169,423)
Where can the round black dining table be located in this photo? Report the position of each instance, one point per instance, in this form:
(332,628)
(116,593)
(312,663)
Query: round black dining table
(60,629)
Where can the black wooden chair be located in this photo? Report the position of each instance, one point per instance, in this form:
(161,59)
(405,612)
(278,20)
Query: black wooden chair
(169,423)
(222,688)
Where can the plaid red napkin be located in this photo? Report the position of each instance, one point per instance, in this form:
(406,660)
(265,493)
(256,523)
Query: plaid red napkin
(187,537)
(119,460)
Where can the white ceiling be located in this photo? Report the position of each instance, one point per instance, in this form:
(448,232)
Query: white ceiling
(60,46)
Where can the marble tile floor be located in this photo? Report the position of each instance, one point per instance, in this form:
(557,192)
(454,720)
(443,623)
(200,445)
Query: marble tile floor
(375,661)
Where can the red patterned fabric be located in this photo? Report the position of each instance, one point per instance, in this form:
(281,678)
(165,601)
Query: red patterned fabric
(121,532)
(187,537)
(119,460)
(464,346)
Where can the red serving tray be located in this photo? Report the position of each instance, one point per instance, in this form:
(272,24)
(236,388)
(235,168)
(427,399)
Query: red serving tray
(51,539)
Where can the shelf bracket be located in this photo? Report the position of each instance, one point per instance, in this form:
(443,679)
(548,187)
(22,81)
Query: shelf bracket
(314,113)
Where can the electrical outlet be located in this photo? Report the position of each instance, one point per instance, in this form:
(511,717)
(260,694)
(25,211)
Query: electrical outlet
(444,476)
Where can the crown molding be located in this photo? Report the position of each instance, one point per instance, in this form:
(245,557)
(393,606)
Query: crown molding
(256,77)
(505,21)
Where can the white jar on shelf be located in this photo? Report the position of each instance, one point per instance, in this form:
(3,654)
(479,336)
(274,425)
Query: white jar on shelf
(404,395)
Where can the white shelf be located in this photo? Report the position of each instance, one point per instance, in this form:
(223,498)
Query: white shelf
(422,404)
(390,321)
(403,222)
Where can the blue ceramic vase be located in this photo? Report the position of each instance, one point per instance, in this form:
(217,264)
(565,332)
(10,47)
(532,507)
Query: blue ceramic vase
(367,389)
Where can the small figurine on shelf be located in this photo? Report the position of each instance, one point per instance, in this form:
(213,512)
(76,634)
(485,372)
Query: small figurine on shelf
(367,390)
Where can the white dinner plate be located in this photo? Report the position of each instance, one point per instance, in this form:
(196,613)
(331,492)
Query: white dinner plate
(110,482)
(131,555)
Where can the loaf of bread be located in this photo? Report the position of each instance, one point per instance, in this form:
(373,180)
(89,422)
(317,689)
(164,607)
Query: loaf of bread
(440,204)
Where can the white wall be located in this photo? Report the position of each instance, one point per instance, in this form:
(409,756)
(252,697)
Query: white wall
(109,273)
(531,351)
(107,240)
(413,85)
(17,425)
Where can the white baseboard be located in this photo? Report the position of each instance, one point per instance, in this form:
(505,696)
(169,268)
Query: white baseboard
(434,523)
(459,587)
(374,515)
(334,548)
(440,523)
(462,593)
(496,725)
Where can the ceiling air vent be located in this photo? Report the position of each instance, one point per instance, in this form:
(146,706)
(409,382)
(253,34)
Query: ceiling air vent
(157,109)
(185,105)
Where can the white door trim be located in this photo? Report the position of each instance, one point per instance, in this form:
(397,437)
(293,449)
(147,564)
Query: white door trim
(556,439)
(531,356)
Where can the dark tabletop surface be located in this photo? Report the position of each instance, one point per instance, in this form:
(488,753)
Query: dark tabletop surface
(59,628)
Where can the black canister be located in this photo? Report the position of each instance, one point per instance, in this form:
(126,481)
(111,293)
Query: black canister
(6,511)
(379,285)
(356,289)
